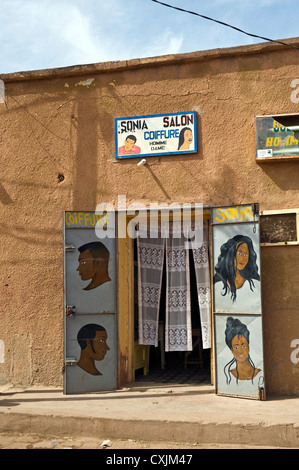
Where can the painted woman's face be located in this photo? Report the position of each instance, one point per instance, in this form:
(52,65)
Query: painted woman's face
(242,256)
(240,348)
(188,137)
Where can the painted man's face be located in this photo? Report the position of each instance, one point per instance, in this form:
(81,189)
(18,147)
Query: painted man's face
(86,266)
(99,346)
(129,144)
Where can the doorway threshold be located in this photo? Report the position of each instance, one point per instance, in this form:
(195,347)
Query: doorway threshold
(176,375)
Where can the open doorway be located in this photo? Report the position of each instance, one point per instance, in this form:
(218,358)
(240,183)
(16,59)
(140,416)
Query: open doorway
(190,367)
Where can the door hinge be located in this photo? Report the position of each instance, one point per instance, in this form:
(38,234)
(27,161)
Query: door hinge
(70,361)
(256,208)
(69,247)
(70,310)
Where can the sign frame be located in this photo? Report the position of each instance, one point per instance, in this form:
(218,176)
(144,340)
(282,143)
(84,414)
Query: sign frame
(158,136)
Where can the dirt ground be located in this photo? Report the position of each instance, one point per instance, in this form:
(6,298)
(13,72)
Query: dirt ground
(10,440)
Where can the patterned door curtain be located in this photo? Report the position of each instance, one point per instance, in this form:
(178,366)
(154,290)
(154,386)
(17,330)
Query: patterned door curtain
(170,241)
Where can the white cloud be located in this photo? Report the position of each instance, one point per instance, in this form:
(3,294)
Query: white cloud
(165,43)
(78,34)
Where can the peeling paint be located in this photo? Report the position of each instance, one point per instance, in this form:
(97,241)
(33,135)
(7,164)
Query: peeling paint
(86,82)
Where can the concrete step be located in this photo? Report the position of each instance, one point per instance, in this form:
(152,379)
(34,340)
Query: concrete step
(176,413)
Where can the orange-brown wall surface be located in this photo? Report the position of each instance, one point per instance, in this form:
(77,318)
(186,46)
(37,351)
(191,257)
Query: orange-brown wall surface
(61,122)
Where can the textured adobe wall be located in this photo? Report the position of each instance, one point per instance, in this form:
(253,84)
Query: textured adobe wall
(62,122)
(280,318)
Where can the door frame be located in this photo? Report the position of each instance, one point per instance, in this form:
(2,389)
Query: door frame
(125,254)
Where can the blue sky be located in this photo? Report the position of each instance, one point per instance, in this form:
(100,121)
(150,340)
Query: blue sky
(39,34)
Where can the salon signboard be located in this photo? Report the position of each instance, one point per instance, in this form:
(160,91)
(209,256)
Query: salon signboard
(152,135)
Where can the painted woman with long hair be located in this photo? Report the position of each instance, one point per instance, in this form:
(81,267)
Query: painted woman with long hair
(236,264)
(185,138)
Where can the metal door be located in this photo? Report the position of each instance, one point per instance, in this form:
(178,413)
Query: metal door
(237,306)
(90,320)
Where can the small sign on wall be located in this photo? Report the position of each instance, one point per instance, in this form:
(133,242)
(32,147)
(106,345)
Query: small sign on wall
(277,137)
(152,135)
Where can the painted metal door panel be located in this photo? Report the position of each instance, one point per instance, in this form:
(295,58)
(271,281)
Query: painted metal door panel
(237,306)
(90,320)
(78,380)
(100,299)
